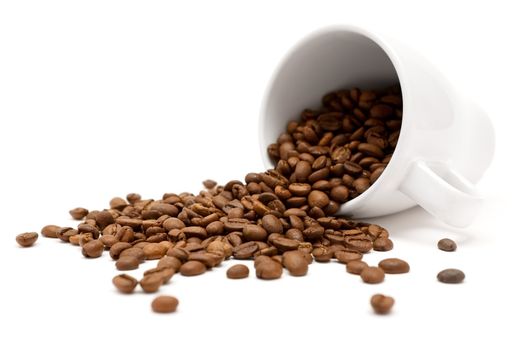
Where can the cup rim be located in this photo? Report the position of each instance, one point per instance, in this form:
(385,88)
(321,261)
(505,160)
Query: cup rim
(394,59)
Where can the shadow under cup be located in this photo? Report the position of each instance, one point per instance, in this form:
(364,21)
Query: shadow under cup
(327,61)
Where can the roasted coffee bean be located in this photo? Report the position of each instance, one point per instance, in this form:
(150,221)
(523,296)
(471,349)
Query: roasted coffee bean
(355,266)
(27,239)
(269,270)
(318,199)
(93,249)
(151,283)
(372,274)
(322,254)
(50,231)
(78,213)
(126,263)
(451,276)
(238,271)
(209,184)
(381,304)
(295,262)
(192,268)
(165,303)
(154,251)
(133,251)
(245,250)
(345,256)
(383,244)
(254,233)
(125,283)
(447,245)
(171,262)
(118,248)
(103,219)
(165,273)
(394,266)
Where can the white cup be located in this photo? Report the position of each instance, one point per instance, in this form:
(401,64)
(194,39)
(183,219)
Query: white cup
(445,144)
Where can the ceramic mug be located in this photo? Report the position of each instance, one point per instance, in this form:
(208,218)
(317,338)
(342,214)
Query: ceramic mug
(445,144)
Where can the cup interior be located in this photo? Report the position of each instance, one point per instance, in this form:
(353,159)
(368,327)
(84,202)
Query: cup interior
(327,60)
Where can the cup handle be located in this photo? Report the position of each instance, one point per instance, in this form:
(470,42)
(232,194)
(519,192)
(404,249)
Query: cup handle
(442,192)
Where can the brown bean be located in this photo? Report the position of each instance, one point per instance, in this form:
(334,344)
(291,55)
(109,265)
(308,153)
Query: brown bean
(27,239)
(165,303)
(394,266)
(238,271)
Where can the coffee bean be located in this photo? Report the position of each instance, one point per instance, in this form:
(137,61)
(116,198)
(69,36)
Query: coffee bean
(394,266)
(355,266)
(78,213)
(372,274)
(269,270)
(27,239)
(345,256)
(238,271)
(383,244)
(125,283)
(171,262)
(164,304)
(192,268)
(295,262)
(133,251)
(151,283)
(50,231)
(303,169)
(165,273)
(447,245)
(154,251)
(103,219)
(126,263)
(118,248)
(245,250)
(93,249)
(451,276)
(381,304)
(318,199)
(209,184)
(254,233)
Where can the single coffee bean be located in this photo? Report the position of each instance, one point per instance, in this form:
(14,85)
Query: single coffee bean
(355,266)
(394,266)
(381,304)
(165,273)
(50,231)
(345,256)
(151,283)
(447,245)
(27,239)
(295,262)
(154,251)
(78,213)
(93,249)
(318,199)
(125,283)
(245,250)
(254,233)
(269,270)
(451,276)
(133,251)
(126,263)
(165,303)
(103,219)
(192,268)
(209,184)
(171,262)
(118,248)
(383,244)
(372,274)
(272,224)
(238,271)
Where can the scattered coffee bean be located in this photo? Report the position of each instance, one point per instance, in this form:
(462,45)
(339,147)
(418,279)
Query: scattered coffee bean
(381,304)
(451,276)
(151,283)
(209,184)
(126,263)
(164,304)
(78,213)
(268,269)
(394,266)
(238,271)
(50,231)
(125,283)
(447,245)
(93,249)
(345,256)
(27,239)
(355,266)
(383,244)
(372,274)
(295,262)
(192,268)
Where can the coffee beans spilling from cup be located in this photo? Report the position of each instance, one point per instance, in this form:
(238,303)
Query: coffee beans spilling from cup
(282,219)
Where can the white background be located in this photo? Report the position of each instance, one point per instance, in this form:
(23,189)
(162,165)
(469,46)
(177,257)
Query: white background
(102,98)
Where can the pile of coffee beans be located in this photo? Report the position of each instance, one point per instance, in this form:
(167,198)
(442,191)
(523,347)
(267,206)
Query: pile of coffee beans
(282,219)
